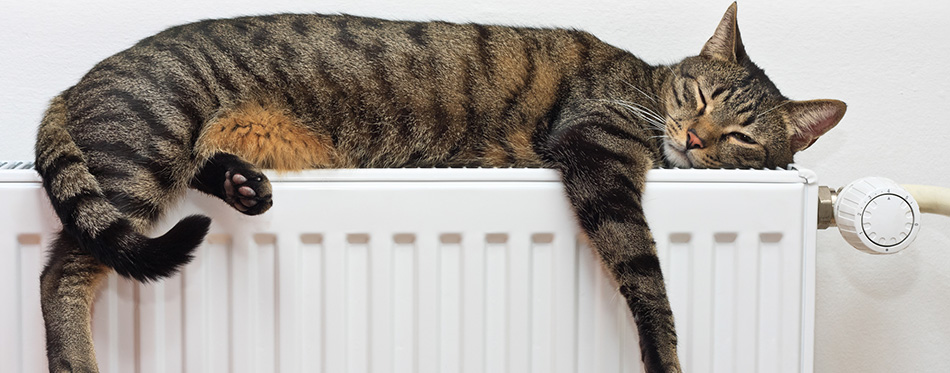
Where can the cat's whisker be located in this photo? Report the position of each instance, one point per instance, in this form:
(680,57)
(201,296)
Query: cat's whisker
(652,122)
(643,112)
(613,299)
(637,105)
(646,116)
(647,95)
(644,109)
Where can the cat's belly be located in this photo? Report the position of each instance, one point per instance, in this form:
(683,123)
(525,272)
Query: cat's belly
(269,138)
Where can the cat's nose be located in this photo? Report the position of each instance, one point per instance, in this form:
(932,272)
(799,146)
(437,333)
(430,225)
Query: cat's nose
(693,141)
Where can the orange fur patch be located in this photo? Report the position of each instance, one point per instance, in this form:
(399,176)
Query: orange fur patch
(523,150)
(495,156)
(267,137)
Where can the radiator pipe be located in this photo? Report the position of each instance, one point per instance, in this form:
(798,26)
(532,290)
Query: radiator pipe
(826,207)
(931,199)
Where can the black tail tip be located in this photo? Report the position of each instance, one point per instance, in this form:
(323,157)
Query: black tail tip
(163,256)
(190,231)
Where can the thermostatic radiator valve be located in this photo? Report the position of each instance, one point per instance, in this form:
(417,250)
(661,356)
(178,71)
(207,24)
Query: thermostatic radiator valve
(878,216)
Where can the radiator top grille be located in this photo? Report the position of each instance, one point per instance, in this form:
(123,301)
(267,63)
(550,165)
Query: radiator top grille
(16,165)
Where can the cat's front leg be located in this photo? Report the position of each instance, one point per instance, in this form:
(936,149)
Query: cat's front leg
(235,181)
(603,161)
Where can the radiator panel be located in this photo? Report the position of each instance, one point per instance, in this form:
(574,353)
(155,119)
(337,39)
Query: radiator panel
(441,271)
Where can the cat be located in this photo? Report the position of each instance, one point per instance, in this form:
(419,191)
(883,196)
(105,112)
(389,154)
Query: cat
(208,105)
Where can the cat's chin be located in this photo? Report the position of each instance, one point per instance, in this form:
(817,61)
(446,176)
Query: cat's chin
(676,157)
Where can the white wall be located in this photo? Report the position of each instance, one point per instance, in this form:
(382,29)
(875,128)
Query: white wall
(887,61)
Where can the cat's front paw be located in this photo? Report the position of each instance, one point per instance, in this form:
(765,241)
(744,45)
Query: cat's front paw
(247,191)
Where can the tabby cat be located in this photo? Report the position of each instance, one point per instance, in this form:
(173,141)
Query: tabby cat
(208,105)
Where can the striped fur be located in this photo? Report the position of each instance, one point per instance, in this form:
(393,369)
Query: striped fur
(206,105)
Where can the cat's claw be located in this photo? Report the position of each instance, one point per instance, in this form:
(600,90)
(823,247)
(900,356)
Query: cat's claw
(249,194)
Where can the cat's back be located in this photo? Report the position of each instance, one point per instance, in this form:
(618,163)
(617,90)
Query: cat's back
(442,88)
(254,52)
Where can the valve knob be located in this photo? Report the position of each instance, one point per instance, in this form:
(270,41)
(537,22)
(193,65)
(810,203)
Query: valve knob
(877,216)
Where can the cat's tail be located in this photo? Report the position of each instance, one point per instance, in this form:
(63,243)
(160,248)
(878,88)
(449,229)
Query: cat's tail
(99,227)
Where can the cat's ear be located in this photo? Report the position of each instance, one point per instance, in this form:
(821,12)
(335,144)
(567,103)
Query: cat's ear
(810,119)
(726,44)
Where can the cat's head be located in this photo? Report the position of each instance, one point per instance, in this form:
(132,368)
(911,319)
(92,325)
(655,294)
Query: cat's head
(723,112)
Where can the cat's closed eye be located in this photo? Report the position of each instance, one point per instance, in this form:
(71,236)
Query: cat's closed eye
(741,137)
(701,99)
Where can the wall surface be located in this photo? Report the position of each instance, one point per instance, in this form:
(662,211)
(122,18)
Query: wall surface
(887,61)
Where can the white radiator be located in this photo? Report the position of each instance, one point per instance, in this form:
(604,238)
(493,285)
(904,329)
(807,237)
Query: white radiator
(440,270)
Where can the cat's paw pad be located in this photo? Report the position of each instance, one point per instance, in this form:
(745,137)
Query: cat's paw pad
(247,191)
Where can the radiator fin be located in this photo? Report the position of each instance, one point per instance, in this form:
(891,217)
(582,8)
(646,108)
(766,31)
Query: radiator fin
(30,262)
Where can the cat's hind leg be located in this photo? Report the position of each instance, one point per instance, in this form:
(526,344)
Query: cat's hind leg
(67,289)
(236,182)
